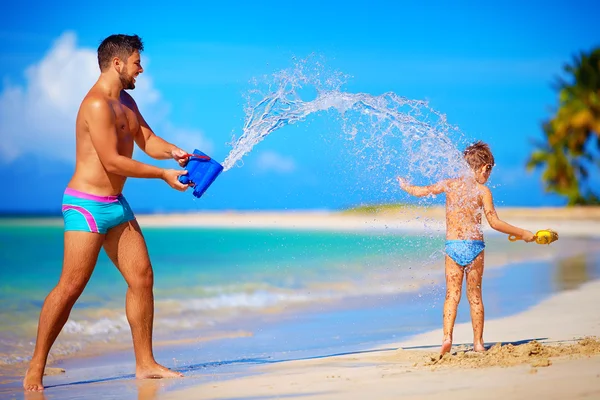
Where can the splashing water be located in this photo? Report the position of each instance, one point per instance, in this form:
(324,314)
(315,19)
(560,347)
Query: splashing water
(391,134)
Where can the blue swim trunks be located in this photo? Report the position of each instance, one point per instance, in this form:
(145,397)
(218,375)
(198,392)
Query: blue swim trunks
(91,213)
(463,252)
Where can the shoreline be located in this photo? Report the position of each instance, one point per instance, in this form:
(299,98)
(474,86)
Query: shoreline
(496,264)
(407,369)
(225,374)
(496,261)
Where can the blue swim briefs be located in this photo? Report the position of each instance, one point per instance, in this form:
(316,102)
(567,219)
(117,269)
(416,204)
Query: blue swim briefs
(463,252)
(91,213)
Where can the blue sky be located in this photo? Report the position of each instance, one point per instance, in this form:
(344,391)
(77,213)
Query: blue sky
(489,68)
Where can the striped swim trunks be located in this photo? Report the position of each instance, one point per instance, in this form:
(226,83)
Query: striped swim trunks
(91,213)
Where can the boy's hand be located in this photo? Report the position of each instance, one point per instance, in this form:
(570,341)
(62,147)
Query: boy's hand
(528,236)
(180,156)
(402,182)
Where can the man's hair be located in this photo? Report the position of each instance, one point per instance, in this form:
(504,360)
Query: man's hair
(121,46)
(478,154)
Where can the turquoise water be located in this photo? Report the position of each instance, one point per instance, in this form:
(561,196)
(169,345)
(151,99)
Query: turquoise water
(203,278)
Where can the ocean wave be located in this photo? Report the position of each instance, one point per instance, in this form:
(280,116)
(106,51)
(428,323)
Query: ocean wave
(254,300)
(103,326)
(203,307)
(20,351)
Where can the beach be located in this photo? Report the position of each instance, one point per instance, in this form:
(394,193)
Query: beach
(265,209)
(328,305)
(405,370)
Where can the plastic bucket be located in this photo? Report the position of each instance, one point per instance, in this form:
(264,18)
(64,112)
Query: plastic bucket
(202,172)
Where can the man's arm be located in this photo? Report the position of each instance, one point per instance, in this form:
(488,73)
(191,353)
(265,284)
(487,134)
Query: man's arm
(102,127)
(496,223)
(153,145)
(421,191)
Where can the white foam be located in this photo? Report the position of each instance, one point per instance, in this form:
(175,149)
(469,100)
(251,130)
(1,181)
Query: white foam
(103,326)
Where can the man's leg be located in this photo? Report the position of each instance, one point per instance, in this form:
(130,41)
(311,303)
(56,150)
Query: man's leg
(126,247)
(80,255)
(454,279)
(474,278)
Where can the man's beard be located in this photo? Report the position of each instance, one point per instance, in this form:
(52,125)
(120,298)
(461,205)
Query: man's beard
(127,81)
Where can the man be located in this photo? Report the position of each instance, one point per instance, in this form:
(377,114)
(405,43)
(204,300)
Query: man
(95,213)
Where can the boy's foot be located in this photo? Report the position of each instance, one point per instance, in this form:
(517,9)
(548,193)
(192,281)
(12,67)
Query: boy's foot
(156,371)
(479,347)
(446,346)
(33,381)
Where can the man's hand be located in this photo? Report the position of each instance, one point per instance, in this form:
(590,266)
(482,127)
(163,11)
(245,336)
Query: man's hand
(528,236)
(170,176)
(180,156)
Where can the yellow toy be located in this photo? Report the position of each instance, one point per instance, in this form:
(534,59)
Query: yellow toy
(545,236)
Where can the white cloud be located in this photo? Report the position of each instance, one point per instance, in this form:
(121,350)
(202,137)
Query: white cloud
(40,117)
(271,161)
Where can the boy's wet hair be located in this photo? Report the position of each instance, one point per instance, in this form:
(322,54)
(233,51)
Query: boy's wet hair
(478,154)
(121,46)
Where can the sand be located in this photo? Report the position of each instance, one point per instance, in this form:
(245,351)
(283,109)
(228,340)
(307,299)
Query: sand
(50,371)
(548,351)
(575,221)
(533,353)
(572,221)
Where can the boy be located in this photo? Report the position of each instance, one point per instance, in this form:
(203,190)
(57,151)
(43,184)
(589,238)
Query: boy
(465,199)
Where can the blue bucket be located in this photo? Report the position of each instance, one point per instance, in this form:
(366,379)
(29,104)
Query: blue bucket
(202,172)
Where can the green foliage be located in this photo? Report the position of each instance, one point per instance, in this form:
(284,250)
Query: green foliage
(378,208)
(567,153)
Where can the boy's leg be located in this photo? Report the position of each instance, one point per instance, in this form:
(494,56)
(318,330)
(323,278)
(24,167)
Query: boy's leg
(474,277)
(80,254)
(126,247)
(454,279)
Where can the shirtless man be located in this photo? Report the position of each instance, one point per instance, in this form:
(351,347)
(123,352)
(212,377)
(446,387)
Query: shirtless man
(97,215)
(466,198)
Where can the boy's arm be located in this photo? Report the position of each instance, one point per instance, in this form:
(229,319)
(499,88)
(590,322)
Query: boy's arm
(499,225)
(421,191)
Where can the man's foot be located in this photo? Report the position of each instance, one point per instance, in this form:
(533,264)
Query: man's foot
(446,346)
(155,371)
(33,380)
(478,347)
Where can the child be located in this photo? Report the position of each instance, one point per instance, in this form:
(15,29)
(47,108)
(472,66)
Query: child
(465,198)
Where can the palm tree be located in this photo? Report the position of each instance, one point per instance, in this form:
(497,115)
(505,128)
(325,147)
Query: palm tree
(572,136)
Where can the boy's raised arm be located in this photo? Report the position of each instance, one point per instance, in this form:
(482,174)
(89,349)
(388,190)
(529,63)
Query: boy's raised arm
(421,191)
(499,225)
